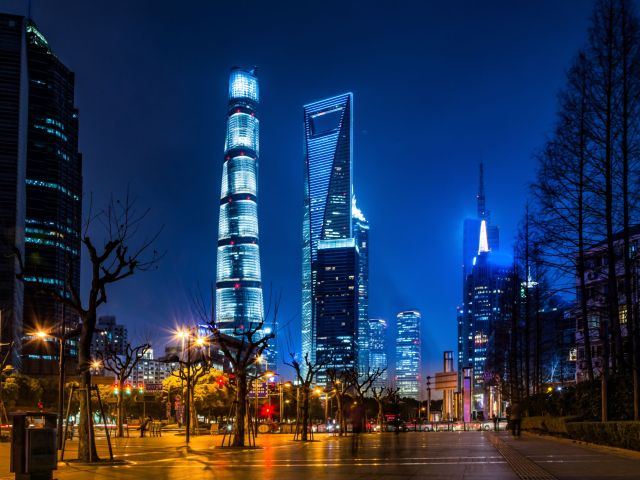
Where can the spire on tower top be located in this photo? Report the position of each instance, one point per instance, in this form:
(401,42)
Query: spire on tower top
(482,210)
(483,245)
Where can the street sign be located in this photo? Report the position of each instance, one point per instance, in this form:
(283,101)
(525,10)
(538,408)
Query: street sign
(447,381)
(263,390)
(153,387)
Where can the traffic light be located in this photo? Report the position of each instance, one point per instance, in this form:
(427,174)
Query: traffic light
(127,389)
(220,382)
(116,390)
(41,406)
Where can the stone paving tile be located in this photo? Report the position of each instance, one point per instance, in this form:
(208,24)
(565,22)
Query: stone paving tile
(433,456)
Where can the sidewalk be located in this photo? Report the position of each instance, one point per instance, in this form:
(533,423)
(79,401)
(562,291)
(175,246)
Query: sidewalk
(568,460)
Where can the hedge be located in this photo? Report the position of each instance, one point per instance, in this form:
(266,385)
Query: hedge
(548,424)
(614,434)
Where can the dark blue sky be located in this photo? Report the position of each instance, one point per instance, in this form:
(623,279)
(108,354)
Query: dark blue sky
(438,86)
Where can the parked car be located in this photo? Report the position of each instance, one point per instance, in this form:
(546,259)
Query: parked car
(488,425)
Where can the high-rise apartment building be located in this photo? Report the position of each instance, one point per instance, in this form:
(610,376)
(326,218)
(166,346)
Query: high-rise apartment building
(239,301)
(408,355)
(330,260)
(40,198)
(377,351)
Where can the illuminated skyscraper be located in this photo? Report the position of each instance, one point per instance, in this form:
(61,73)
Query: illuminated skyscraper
(408,354)
(330,260)
(470,243)
(361,234)
(40,194)
(487,314)
(377,351)
(239,303)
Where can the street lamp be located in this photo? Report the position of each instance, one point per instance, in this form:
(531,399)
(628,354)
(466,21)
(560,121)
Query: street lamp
(62,339)
(187,333)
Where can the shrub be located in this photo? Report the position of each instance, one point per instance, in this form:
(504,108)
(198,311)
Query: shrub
(547,424)
(615,434)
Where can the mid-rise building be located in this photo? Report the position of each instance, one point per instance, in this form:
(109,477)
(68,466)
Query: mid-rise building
(331,264)
(596,282)
(377,351)
(408,354)
(40,198)
(239,300)
(109,336)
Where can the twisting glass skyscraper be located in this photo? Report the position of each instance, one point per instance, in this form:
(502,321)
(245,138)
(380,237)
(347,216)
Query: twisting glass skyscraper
(239,303)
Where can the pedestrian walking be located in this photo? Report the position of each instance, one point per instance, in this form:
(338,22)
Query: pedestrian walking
(495,422)
(516,419)
(144,425)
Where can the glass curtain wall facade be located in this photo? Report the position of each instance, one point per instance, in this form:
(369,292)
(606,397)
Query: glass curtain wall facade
(470,242)
(239,300)
(377,351)
(361,235)
(408,355)
(488,314)
(327,224)
(41,125)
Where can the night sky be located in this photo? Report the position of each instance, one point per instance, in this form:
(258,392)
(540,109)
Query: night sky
(438,86)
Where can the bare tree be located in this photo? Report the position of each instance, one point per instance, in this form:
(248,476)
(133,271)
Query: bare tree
(341,385)
(243,349)
(306,372)
(117,255)
(121,366)
(362,382)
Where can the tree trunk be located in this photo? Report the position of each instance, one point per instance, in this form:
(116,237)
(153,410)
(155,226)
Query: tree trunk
(86,439)
(120,408)
(305,414)
(241,410)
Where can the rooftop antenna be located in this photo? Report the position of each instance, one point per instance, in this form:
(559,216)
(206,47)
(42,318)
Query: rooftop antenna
(482,211)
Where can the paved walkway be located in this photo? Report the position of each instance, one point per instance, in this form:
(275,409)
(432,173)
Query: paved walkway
(430,455)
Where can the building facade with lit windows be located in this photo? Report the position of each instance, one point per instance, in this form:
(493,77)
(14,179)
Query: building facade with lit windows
(408,354)
(330,257)
(40,198)
(487,315)
(361,235)
(470,240)
(109,335)
(596,280)
(239,300)
(377,351)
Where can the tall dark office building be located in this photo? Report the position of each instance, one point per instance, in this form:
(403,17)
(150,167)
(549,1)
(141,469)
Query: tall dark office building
(40,199)
(488,310)
(239,302)
(470,248)
(330,260)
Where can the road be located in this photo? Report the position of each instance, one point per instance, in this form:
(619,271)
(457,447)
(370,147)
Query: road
(430,455)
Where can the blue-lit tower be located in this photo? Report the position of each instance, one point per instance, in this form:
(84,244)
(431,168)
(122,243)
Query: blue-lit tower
(408,355)
(330,253)
(361,235)
(239,302)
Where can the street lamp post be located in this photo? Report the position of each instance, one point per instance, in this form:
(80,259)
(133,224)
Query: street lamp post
(61,338)
(428,398)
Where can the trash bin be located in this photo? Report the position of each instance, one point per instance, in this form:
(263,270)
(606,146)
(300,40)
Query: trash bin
(34,454)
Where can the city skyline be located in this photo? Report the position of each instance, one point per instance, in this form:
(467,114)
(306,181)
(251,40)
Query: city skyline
(388,286)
